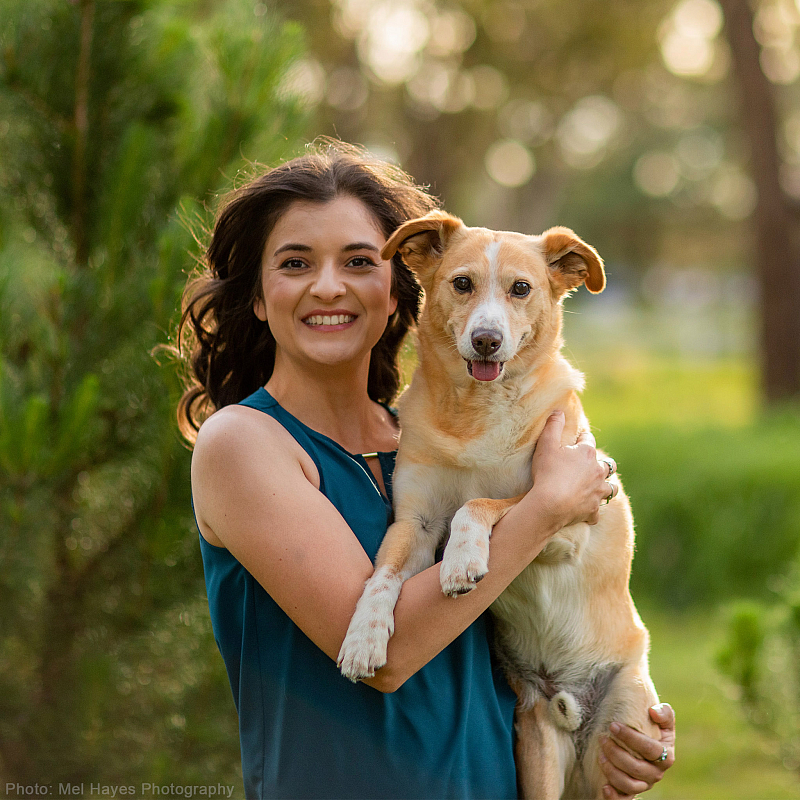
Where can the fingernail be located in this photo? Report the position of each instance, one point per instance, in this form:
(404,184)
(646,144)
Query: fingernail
(606,791)
(602,757)
(557,413)
(615,727)
(659,709)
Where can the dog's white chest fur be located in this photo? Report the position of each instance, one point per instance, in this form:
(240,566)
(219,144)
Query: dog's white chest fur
(492,465)
(499,448)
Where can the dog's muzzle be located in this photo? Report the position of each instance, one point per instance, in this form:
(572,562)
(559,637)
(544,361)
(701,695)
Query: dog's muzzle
(485,342)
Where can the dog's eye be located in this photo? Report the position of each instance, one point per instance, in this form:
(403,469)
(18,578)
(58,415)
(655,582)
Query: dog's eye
(521,289)
(462,284)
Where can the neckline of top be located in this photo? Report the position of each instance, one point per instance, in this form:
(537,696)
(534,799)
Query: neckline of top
(328,438)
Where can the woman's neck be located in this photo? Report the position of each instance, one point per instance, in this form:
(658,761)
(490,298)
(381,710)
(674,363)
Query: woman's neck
(334,401)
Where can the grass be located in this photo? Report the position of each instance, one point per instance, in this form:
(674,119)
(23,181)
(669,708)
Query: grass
(719,756)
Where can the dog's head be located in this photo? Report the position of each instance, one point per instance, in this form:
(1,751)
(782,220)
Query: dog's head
(495,294)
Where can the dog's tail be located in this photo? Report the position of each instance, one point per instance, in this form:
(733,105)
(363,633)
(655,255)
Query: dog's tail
(565,711)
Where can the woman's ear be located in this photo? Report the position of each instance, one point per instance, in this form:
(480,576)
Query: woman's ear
(422,242)
(259,308)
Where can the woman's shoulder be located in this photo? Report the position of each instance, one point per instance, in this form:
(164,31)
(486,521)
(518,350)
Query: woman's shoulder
(239,436)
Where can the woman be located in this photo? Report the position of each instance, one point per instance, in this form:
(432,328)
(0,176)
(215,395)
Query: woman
(296,329)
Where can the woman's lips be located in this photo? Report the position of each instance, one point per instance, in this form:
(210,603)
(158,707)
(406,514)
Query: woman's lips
(314,320)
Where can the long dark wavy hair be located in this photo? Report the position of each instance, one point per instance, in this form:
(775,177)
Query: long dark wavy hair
(230,352)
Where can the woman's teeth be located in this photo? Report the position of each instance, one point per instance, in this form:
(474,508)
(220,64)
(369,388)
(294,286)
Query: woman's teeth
(336,319)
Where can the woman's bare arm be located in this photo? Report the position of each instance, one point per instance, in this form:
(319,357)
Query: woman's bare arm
(254,492)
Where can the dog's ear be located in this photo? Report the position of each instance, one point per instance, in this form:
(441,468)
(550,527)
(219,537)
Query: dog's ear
(422,242)
(572,262)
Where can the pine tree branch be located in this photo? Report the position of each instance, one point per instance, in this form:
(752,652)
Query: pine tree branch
(81,122)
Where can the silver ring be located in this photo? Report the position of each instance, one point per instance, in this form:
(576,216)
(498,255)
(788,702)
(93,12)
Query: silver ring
(611,496)
(612,466)
(662,757)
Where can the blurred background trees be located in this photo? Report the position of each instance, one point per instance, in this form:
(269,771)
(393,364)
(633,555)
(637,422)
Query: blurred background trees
(665,132)
(679,119)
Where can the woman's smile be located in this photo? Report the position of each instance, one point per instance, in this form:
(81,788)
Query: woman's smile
(329,320)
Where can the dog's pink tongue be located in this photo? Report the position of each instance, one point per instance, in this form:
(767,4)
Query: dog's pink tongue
(485,370)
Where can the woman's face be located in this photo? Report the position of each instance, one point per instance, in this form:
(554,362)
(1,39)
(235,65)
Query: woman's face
(324,288)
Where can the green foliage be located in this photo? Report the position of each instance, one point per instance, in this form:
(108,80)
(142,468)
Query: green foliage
(762,656)
(717,511)
(739,658)
(112,114)
(715,491)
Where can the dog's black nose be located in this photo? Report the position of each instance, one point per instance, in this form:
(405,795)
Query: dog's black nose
(486,342)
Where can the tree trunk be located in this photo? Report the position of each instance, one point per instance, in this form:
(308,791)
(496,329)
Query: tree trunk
(777,257)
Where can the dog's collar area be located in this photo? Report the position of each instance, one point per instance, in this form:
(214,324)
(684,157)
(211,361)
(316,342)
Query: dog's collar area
(485,371)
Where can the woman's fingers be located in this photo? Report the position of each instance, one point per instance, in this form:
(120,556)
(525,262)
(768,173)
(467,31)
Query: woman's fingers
(637,771)
(616,770)
(664,716)
(636,768)
(550,436)
(647,748)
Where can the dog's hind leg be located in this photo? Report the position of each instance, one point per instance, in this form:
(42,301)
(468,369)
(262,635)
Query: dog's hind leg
(627,701)
(466,557)
(544,754)
(408,548)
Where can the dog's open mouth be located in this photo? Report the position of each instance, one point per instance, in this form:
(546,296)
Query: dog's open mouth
(485,370)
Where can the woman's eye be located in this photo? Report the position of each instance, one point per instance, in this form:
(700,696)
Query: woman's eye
(462,284)
(521,289)
(361,261)
(293,263)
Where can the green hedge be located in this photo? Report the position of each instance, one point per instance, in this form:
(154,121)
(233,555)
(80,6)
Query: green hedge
(717,511)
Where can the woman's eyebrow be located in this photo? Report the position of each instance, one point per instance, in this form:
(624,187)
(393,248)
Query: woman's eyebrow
(303,248)
(360,246)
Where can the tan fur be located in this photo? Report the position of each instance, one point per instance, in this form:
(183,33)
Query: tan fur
(568,619)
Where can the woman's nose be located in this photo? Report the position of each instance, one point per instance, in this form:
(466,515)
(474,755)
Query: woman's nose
(328,283)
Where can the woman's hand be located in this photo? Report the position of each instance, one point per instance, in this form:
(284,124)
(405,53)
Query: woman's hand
(570,481)
(628,774)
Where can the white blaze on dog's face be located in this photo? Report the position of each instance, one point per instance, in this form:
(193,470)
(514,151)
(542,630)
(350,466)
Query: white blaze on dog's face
(488,293)
(493,292)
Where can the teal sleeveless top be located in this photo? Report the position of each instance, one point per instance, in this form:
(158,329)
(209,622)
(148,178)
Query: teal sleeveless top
(307,732)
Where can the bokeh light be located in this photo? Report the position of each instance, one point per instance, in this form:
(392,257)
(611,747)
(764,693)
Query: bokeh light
(391,41)
(781,64)
(491,87)
(451,32)
(657,173)
(510,163)
(526,120)
(304,81)
(585,131)
(699,152)
(688,37)
(733,193)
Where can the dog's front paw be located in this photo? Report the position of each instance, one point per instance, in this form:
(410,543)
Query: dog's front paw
(363,650)
(364,647)
(466,557)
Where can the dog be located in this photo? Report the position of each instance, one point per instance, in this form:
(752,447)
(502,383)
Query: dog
(490,373)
